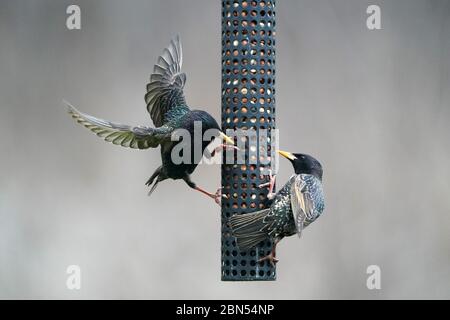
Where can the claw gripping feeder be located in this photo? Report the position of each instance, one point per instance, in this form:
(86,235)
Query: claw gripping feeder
(248,102)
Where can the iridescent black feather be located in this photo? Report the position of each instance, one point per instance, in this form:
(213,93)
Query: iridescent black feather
(169,112)
(296,205)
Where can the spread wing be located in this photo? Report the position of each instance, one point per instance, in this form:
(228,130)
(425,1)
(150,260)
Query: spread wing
(165,90)
(302,203)
(123,135)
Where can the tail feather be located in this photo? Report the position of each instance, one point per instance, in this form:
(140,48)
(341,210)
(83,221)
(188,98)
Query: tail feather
(247,229)
(153,188)
(156,174)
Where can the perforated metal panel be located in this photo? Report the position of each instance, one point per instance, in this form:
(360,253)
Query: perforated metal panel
(248,102)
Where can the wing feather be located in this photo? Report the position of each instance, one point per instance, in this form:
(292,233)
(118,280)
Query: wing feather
(303,207)
(120,134)
(165,90)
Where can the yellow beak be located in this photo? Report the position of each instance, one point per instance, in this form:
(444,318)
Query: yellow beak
(226,138)
(287,155)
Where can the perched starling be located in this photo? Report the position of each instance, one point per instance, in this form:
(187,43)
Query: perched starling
(299,203)
(169,112)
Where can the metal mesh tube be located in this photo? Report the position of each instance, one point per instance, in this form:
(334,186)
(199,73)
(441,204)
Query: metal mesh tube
(248,102)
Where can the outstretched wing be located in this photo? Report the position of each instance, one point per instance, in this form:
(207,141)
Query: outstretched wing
(122,135)
(302,201)
(165,90)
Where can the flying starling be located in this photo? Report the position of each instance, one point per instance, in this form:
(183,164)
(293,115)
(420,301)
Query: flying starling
(299,203)
(169,112)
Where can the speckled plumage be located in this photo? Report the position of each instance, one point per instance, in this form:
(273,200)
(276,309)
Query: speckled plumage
(296,205)
(281,219)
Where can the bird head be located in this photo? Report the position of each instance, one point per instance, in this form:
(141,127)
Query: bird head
(208,122)
(303,163)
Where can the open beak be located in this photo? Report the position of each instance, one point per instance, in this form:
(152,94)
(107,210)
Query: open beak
(287,155)
(226,138)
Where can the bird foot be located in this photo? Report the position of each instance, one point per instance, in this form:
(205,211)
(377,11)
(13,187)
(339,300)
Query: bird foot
(270,184)
(218,196)
(271,195)
(271,258)
(223,147)
(228,146)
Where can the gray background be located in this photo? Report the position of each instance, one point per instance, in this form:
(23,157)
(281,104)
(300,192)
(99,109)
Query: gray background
(373,106)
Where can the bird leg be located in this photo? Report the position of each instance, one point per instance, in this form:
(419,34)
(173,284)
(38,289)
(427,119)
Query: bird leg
(271,257)
(271,185)
(216,196)
(223,147)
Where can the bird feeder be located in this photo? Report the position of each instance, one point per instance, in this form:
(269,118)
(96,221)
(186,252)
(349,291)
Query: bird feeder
(248,102)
